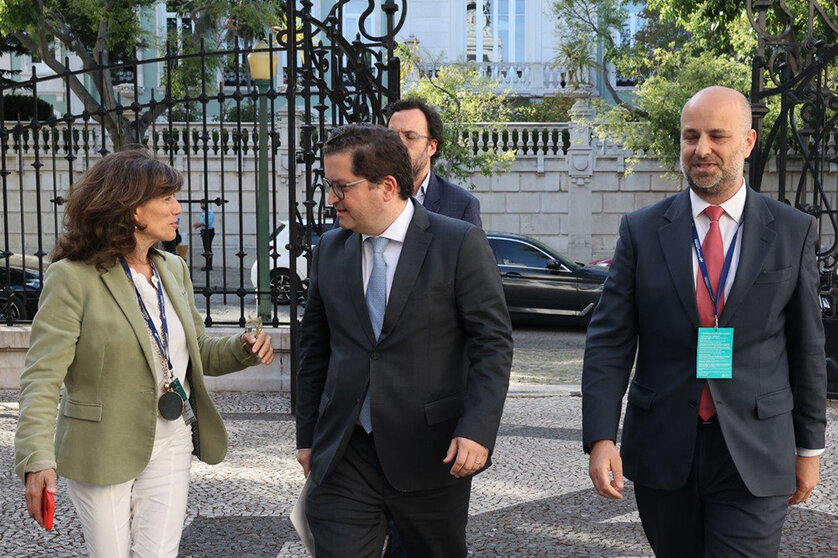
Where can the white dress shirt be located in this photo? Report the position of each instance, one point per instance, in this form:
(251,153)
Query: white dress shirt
(395,233)
(728,223)
(423,188)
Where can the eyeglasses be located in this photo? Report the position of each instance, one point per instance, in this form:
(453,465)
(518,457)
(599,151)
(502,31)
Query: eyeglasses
(410,135)
(338,189)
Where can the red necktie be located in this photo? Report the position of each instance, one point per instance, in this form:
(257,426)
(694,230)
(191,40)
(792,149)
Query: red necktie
(714,256)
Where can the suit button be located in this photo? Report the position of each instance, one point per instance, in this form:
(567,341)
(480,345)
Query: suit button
(374,356)
(692,403)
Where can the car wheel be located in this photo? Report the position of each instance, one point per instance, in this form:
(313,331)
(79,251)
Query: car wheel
(281,287)
(12,310)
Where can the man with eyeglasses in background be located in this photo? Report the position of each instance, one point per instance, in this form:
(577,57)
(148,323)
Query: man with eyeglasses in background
(420,128)
(406,350)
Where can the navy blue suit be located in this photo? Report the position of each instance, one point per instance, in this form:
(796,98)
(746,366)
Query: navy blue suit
(451,200)
(648,319)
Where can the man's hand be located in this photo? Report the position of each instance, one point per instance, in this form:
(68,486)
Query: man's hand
(807,471)
(36,483)
(606,469)
(470,457)
(260,346)
(304,459)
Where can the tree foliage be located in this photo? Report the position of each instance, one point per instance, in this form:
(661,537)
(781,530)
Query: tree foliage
(100,32)
(583,27)
(660,97)
(681,48)
(469,104)
(23,108)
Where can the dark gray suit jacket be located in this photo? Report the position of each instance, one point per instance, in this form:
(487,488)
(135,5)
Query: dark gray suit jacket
(777,397)
(439,369)
(450,200)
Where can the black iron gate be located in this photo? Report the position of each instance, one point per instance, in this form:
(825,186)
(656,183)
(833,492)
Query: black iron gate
(248,148)
(795,71)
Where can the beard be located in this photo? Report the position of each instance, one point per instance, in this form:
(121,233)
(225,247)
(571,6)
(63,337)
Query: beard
(727,178)
(418,164)
(418,168)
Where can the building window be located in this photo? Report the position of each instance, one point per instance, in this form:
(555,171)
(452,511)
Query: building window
(503,25)
(178,30)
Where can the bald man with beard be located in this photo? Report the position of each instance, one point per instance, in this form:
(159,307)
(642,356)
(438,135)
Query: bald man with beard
(714,291)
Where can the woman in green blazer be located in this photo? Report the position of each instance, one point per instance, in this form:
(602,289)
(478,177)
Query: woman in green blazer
(117,325)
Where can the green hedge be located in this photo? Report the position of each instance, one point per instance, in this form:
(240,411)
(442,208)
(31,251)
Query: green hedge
(21,105)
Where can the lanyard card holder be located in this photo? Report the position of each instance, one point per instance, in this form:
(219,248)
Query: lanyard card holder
(714,359)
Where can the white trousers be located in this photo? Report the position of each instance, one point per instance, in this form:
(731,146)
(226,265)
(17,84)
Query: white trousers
(143,517)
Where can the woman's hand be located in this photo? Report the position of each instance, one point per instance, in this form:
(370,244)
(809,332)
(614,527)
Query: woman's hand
(260,346)
(36,483)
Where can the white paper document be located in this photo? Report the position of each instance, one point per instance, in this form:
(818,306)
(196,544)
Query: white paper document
(299,521)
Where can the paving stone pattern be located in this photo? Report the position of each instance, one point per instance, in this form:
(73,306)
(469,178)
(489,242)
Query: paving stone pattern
(536,500)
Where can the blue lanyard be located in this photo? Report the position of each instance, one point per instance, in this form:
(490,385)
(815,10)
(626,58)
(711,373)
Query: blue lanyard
(702,265)
(164,348)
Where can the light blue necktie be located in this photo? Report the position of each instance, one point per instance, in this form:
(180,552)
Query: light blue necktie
(376,305)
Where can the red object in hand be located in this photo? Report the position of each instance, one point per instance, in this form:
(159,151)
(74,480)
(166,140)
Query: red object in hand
(48,509)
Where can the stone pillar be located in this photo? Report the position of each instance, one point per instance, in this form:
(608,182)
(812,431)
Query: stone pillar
(580,167)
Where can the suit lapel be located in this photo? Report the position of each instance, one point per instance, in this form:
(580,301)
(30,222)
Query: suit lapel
(126,298)
(676,242)
(407,271)
(432,193)
(353,271)
(756,242)
(175,289)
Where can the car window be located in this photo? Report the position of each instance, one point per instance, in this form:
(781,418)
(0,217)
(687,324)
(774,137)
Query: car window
(16,275)
(511,252)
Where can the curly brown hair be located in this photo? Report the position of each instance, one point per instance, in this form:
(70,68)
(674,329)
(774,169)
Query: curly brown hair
(99,219)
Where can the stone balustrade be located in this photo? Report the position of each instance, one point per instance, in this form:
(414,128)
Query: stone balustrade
(565,187)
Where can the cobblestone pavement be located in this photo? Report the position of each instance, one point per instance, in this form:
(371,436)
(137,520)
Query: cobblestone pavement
(536,500)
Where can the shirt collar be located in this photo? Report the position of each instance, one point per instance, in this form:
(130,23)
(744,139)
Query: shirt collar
(424,187)
(734,207)
(398,228)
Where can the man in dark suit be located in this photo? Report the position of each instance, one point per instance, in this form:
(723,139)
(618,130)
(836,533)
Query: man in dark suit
(420,128)
(718,286)
(406,350)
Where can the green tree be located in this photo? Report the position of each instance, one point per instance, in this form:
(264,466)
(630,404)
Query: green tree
(673,56)
(108,31)
(717,25)
(470,106)
(660,98)
(584,25)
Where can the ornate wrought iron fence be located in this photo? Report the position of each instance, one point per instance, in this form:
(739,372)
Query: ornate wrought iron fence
(795,71)
(325,81)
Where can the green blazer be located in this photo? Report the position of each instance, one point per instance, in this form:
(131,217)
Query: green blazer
(90,335)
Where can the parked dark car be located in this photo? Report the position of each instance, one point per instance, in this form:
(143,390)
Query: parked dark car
(542,285)
(20,288)
(604,263)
